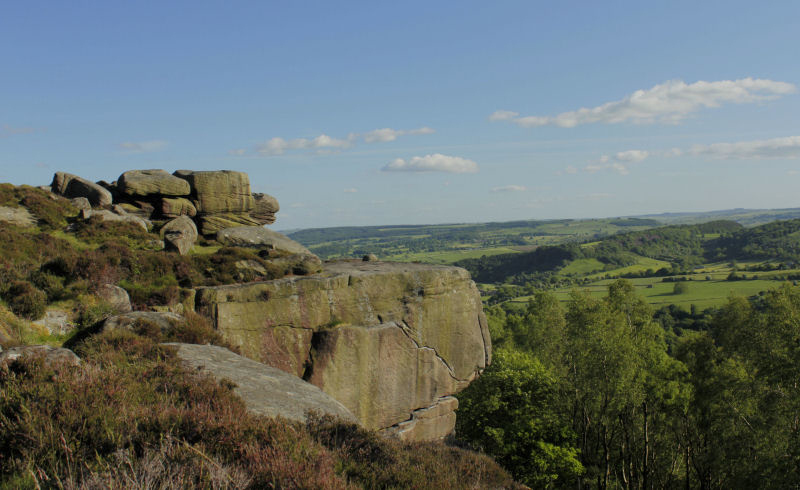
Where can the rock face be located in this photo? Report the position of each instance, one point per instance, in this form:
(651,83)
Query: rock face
(106,215)
(257,237)
(163,321)
(387,340)
(141,183)
(265,390)
(178,206)
(69,185)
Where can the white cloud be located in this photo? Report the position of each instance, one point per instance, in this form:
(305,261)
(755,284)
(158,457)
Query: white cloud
(325,144)
(432,163)
(788,147)
(351,190)
(571,170)
(669,102)
(143,146)
(237,152)
(631,156)
(503,115)
(7,131)
(384,135)
(509,188)
(278,146)
(616,166)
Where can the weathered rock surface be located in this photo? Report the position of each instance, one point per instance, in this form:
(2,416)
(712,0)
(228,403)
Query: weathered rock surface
(210,225)
(52,356)
(164,321)
(69,185)
(16,216)
(260,237)
(81,203)
(117,297)
(140,183)
(106,215)
(385,339)
(178,206)
(264,389)
(264,208)
(425,424)
(179,234)
(220,191)
(298,264)
(56,322)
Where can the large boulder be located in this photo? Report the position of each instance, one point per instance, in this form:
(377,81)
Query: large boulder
(117,297)
(219,191)
(179,235)
(264,389)
(385,339)
(264,209)
(69,185)
(140,183)
(259,237)
(52,356)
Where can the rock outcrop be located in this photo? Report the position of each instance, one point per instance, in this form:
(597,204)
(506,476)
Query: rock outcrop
(215,200)
(385,339)
(264,389)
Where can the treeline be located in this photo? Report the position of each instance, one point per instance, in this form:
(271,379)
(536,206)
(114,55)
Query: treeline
(604,394)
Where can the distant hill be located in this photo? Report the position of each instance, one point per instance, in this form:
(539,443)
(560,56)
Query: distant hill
(683,246)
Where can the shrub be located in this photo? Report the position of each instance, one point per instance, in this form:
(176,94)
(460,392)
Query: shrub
(680,288)
(25,300)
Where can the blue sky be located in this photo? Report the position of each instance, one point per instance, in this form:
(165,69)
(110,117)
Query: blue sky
(364,113)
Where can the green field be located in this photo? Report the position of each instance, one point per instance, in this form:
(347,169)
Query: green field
(702,293)
(448,256)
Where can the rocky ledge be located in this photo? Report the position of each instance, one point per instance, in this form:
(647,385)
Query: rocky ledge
(390,341)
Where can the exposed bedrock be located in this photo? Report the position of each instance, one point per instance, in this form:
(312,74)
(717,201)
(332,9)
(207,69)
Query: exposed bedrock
(385,339)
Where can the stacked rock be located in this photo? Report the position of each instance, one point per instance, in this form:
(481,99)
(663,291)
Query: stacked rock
(185,204)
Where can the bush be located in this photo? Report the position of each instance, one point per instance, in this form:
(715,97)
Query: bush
(680,288)
(25,300)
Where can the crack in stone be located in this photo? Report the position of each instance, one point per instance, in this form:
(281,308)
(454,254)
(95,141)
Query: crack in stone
(405,329)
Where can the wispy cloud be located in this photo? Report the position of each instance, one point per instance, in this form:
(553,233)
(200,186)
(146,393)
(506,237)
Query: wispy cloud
(510,188)
(7,131)
(788,147)
(238,152)
(388,134)
(669,102)
(433,163)
(351,190)
(324,143)
(618,162)
(142,146)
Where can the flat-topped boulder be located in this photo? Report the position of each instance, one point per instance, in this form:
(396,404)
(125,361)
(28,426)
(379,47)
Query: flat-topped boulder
(264,389)
(259,237)
(141,183)
(219,191)
(385,339)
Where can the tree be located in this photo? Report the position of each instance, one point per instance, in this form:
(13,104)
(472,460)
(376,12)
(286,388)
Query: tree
(513,412)
(680,287)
